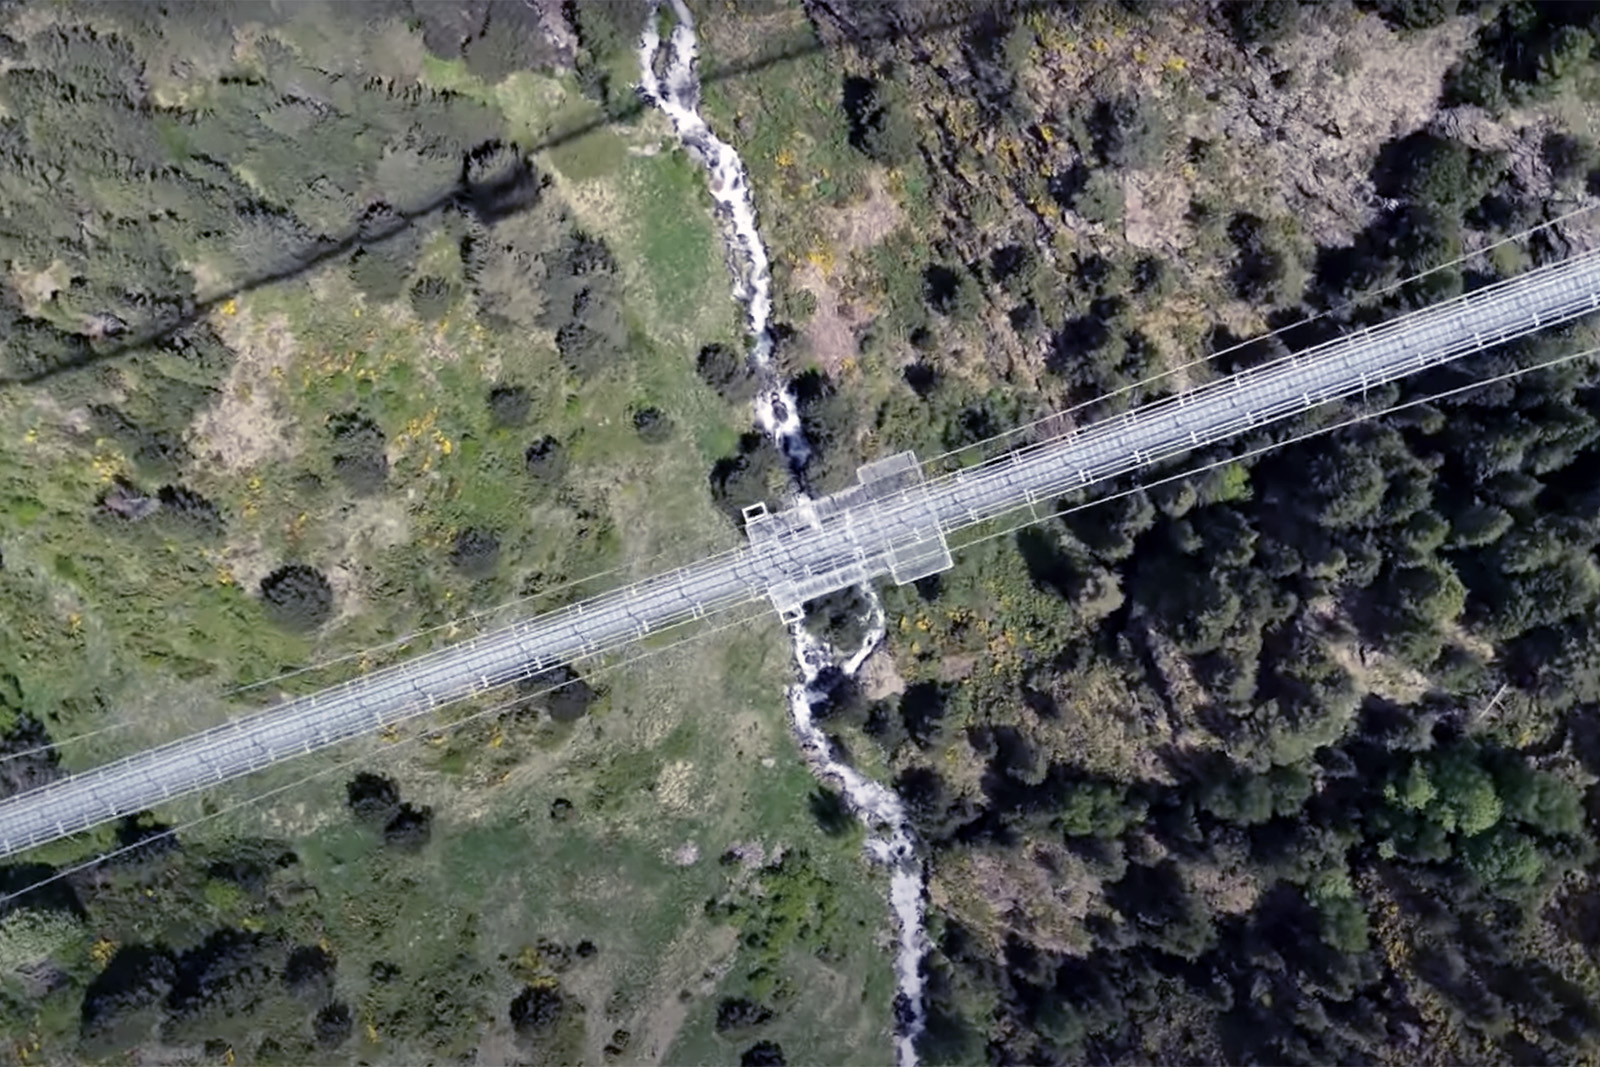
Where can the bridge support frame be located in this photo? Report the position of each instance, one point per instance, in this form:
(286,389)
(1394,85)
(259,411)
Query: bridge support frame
(912,548)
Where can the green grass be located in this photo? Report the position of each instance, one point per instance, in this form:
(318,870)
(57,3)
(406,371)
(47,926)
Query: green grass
(586,155)
(103,621)
(499,874)
(786,118)
(85,589)
(678,240)
(542,111)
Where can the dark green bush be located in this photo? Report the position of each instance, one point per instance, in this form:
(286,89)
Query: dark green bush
(409,828)
(432,298)
(536,1010)
(546,461)
(652,425)
(476,552)
(1262,21)
(881,125)
(187,509)
(509,405)
(1131,132)
(360,458)
(333,1025)
(372,798)
(297,597)
(728,372)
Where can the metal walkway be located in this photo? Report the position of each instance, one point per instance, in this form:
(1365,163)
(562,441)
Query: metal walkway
(894,523)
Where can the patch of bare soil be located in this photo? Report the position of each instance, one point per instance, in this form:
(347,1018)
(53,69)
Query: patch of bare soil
(1351,87)
(249,426)
(1155,205)
(37,288)
(866,222)
(675,785)
(1042,892)
(1228,891)
(1373,670)
(371,526)
(831,332)
(693,962)
(248,560)
(879,677)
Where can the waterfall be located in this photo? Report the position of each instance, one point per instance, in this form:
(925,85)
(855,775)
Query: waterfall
(676,92)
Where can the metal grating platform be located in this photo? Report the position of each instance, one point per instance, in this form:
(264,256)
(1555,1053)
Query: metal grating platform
(922,550)
(864,532)
(884,524)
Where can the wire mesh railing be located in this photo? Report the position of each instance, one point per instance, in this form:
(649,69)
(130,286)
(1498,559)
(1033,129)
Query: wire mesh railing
(843,545)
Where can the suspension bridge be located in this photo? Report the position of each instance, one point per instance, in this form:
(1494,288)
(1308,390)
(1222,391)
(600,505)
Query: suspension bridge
(895,522)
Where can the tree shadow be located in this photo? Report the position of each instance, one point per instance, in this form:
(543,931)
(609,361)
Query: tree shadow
(833,815)
(491,203)
(1047,566)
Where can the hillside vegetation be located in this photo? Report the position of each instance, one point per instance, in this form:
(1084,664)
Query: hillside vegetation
(1287,761)
(328,325)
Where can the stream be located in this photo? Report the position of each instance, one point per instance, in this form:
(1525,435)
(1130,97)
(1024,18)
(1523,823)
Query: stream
(675,90)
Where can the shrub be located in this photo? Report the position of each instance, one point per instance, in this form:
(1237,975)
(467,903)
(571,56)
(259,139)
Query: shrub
(951,292)
(921,377)
(377,275)
(222,975)
(536,1010)
(1264,271)
(309,972)
(333,1025)
(585,255)
(1152,276)
(1262,21)
(1130,132)
(652,425)
(745,478)
(566,695)
(1437,173)
(840,618)
(1101,200)
(727,372)
(1568,157)
(832,814)
(1012,267)
(500,181)
(762,1054)
(372,798)
(739,1013)
(476,552)
(409,829)
(30,758)
(431,298)
(1415,14)
(359,459)
(297,597)
(509,405)
(188,508)
(546,460)
(137,978)
(29,935)
(1065,186)
(592,339)
(881,126)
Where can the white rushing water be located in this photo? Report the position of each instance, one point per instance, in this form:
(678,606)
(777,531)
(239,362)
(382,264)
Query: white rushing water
(676,92)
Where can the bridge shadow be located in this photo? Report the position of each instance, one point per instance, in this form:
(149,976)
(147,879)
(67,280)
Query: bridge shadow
(886,26)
